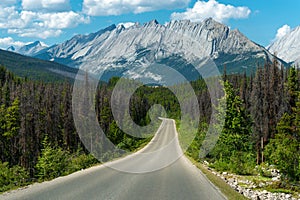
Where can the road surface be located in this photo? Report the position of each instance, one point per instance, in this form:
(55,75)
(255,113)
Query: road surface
(157,172)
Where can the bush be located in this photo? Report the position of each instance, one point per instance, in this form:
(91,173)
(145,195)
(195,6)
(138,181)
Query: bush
(52,163)
(13,177)
(55,162)
(241,163)
(80,161)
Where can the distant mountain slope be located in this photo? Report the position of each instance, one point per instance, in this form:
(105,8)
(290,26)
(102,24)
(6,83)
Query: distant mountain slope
(119,51)
(288,47)
(32,49)
(29,49)
(35,69)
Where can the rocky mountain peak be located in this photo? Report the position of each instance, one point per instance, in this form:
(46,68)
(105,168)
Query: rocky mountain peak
(11,48)
(287,48)
(151,23)
(29,49)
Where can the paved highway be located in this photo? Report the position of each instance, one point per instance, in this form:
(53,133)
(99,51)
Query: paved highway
(157,172)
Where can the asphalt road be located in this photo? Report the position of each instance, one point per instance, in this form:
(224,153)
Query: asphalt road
(157,172)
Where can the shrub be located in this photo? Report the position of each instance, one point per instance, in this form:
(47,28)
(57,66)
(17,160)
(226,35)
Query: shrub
(52,163)
(12,177)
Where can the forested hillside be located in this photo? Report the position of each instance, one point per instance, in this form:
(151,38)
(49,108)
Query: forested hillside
(35,69)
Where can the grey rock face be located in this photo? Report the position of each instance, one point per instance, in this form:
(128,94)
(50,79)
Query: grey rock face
(129,51)
(288,47)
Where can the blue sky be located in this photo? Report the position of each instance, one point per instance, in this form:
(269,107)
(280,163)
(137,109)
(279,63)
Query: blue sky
(54,21)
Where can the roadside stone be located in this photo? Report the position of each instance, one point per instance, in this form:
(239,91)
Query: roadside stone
(288,196)
(275,178)
(247,187)
(261,185)
(254,197)
(206,163)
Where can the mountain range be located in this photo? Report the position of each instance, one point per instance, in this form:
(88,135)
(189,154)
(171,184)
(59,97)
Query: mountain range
(288,47)
(120,51)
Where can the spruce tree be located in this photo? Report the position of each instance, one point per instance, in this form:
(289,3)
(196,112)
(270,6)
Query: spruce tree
(284,149)
(234,142)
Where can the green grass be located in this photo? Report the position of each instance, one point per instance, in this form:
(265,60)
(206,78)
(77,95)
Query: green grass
(256,179)
(230,193)
(286,191)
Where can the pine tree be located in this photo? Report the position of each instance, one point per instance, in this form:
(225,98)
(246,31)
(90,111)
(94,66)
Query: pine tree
(292,86)
(12,117)
(233,144)
(257,114)
(284,149)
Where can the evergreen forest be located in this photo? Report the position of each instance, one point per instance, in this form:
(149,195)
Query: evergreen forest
(38,138)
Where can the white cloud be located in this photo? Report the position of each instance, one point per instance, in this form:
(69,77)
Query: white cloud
(281,32)
(118,7)
(5,12)
(57,5)
(46,5)
(36,33)
(31,4)
(60,20)
(212,8)
(43,25)
(8,41)
(8,2)
(127,24)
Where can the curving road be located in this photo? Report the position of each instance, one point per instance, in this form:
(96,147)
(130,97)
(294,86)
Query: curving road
(157,172)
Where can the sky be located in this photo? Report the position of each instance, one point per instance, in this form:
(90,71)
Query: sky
(54,21)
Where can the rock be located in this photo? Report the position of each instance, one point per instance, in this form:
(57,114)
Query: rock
(261,185)
(287,196)
(247,191)
(231,180)
(234,187)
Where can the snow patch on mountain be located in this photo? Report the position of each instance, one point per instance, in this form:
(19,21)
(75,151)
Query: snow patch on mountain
(127,24)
